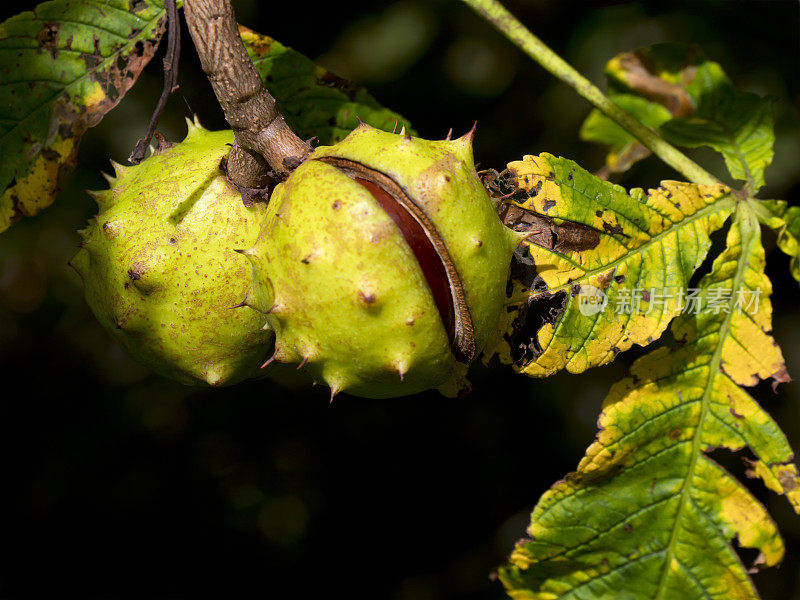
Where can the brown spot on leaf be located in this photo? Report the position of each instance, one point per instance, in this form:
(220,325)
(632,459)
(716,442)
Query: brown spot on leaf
(48,37)
(604,279)
(788,480)
(50,154)
(615,229)
(780,376)
(347,87)
(92,59)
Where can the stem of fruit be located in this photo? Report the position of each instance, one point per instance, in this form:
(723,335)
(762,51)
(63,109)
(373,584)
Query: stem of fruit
(170,80)
(509,25)
(265,149)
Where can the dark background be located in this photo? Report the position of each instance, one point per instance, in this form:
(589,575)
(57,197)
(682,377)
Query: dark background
(119,484)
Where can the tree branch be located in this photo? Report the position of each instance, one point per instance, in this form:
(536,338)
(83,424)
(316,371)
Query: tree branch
(265,148)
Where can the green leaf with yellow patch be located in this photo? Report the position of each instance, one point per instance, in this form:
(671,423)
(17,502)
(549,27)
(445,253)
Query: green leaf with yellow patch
(649,514)
(63,66)
(784,220)
(314,101)
(602,269)
(705,109)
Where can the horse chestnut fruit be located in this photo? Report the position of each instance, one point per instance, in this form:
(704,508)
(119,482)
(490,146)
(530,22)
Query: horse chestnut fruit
(382,263)
(159,269)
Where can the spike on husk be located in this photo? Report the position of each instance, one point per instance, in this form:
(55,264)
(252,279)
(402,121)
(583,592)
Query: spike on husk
(119,170)
(194,129)
(463,146)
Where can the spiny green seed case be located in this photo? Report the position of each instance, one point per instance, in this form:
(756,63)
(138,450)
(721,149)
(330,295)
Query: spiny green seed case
(159,269)
(379,264)
(341,284)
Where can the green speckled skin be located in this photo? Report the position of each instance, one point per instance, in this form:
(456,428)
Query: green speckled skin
(160,270)
(343,289)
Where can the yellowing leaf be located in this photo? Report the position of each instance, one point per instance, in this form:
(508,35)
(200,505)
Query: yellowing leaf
(62,68)
(648,514)
(611,268)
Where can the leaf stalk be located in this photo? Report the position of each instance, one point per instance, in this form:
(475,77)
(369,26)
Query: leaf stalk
(170,80)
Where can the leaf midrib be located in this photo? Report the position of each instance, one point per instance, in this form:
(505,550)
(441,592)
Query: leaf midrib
(719,205)
(743,213)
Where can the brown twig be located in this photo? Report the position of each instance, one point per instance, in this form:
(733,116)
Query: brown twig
(170,79)
(265,147)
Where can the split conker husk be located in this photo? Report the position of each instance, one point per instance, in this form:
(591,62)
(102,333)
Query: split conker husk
(382,264)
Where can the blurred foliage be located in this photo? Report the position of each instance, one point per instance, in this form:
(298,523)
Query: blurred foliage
(118,483)
(315,101)
(691,102)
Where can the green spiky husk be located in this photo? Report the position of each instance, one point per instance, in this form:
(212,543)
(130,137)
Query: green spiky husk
(160,269)
(342,288)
